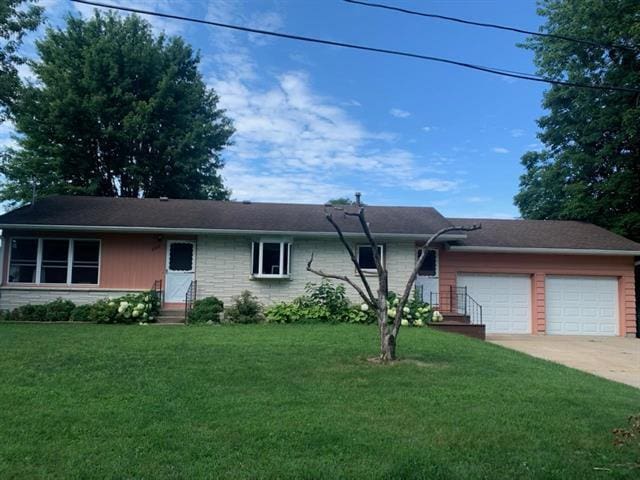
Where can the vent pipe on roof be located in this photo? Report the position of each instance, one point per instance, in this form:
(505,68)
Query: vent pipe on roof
(247,202)
(164,199)
(358,195)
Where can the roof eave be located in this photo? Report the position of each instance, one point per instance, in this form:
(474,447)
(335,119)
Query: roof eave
(551,251)
(215,231)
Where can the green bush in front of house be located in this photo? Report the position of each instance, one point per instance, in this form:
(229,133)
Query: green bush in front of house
(58,310)
(206,310)
(327,303)
(245,309)
(82,313)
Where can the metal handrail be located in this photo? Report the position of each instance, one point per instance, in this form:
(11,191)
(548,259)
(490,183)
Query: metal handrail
(457,300)
(189,299)
(156,288)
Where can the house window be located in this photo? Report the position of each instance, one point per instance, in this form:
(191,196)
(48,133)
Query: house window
(429,267)
(365,257)
(24,260)
(86,261)
(54,260)
(270,259)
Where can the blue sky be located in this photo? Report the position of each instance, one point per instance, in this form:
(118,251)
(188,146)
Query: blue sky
(316,122)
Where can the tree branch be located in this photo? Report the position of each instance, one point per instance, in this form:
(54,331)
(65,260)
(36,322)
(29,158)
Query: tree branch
(352,255)
(418,266)
(343,278)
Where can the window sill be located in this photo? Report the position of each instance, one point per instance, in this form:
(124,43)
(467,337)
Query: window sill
(270,277)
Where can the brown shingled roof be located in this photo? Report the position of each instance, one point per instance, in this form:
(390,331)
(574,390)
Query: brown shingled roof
(542,234)
(215,215)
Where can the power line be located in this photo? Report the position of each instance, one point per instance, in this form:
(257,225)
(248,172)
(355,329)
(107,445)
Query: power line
(591,43)
(495,71)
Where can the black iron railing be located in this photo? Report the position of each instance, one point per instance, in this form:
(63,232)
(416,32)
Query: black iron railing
(455,300)
(189,299)
(156,289)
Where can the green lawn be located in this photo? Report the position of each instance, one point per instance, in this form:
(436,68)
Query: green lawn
(92,401)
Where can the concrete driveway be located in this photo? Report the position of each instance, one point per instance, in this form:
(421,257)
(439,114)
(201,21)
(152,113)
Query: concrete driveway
(615,358)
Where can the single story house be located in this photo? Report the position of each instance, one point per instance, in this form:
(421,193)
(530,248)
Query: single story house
(540,277)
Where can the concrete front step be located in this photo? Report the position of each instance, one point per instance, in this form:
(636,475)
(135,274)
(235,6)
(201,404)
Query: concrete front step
(456,317)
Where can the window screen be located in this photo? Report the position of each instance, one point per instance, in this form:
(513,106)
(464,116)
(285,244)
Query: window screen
(429,267)
(24,257)
(86,261)
(181,257)
(55,260)
(365,257)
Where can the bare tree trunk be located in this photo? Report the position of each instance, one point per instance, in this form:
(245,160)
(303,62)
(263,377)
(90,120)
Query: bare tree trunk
(388,331)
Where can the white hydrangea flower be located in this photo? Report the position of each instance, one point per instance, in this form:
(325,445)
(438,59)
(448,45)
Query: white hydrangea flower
(364,307)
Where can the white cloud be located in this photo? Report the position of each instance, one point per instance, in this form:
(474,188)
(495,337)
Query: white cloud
(399,113)
(167,25)
(433,184)
(427,129)
(477,199)
(499,150)
(517,132)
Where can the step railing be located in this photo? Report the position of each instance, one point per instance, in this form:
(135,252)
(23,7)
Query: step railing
(456,300)
(189,299)
(156,289)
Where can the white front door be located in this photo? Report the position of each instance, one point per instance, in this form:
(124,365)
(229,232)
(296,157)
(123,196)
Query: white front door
(505,300)
(581,305)
(427,280)
(180,269)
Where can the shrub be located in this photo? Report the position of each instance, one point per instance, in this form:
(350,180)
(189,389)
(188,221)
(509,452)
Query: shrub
(245,309)
(29,313)
(416,313)
(332,297)
(134,307)
(59,310)
(82,313)
(205,310)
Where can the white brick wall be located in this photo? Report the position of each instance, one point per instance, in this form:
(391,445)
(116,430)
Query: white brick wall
(12,297)
(223,266)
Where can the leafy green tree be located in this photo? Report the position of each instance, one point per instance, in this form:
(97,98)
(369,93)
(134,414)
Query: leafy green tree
(117,111)
(341,201)
(16,19)
(589,168)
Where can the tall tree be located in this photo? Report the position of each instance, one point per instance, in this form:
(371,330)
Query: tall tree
(17,17)
(589,168)
(117,111)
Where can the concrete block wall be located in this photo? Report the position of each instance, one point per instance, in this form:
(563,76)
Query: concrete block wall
(12,297)
(223,267)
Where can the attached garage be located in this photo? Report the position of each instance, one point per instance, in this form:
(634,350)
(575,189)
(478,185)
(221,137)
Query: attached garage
(581,305)
(505,300)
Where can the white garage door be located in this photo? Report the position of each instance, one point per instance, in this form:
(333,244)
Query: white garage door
(505,300)
(582,305)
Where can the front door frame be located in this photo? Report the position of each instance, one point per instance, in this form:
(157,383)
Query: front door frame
(167,272)
(434,278)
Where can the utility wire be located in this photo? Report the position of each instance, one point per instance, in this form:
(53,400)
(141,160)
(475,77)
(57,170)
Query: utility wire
(590,43)
(496,71)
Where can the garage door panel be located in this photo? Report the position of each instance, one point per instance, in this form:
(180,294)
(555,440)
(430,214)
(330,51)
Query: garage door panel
(505,300)
(581,305)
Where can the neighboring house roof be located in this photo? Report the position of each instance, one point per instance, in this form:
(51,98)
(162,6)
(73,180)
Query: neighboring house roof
(540,235)
(129,214)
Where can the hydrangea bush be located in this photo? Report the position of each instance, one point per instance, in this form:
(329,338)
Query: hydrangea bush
(130,308)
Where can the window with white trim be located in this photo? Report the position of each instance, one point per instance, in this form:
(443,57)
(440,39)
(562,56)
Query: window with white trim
(270,259)
(54,261)
(365,257)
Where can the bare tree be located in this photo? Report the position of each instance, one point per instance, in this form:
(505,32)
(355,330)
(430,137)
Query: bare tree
(388,330)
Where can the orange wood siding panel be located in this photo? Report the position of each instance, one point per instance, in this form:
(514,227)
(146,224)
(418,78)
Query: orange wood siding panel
(127,261)
(538,266)
(131,261)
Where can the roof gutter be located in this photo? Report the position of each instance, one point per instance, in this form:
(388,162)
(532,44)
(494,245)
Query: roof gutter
(551,251)
(220,231)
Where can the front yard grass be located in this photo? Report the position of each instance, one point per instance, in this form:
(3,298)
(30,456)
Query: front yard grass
(267,401)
